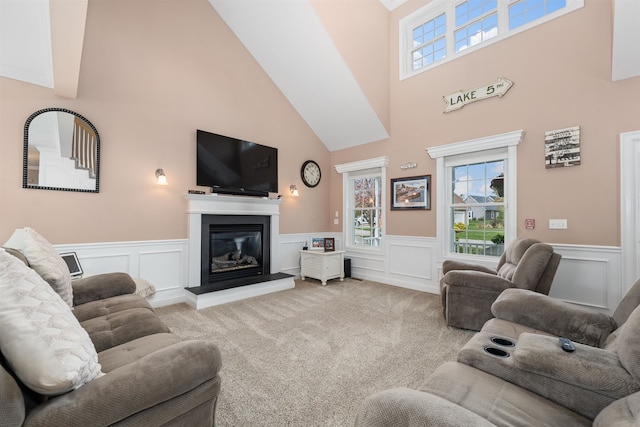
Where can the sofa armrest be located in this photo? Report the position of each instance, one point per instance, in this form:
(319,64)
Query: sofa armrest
(451,264)
(413,408)
(587,368)
(553,316)
(152,380)
(476,280)
(101,286)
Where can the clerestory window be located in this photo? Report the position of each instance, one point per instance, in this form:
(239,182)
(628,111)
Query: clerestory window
(444,30)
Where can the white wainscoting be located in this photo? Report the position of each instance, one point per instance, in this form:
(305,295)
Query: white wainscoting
(588,275)
(161,262)
(405,261)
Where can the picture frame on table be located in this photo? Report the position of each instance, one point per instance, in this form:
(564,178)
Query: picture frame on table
(329,244)
(412,192)
(73,263)
(317,244)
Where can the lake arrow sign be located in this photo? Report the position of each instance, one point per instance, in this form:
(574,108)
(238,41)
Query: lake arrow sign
(457,100)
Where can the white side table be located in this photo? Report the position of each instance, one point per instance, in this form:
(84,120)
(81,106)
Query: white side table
(322,265)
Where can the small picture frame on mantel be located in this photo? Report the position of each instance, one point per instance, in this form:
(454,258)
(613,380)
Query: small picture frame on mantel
(329,244)
(317,244)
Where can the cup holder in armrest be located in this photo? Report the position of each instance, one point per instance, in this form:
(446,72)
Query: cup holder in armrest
(496,352)
(502,342)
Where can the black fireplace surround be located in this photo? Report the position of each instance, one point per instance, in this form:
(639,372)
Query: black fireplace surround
(234,247)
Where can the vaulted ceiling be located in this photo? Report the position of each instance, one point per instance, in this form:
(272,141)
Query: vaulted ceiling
(328,98)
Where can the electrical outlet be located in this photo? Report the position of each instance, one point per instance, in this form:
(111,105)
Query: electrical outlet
(557,224)
(336,221)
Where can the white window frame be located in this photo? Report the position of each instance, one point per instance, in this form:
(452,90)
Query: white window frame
(375,166)
(436,7)
(502,146)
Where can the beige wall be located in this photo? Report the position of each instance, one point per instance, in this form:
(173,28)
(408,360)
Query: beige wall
(151,76)
(562,76)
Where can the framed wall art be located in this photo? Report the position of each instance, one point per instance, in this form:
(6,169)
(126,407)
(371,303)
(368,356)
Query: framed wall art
(411,193)
(562,147)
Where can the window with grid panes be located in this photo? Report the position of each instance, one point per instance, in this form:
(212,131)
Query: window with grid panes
(429,42)
(477,208)
(366,210)
(445,29)
(476,21)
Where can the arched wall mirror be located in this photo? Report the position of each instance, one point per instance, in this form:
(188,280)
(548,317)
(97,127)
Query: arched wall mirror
(61,152)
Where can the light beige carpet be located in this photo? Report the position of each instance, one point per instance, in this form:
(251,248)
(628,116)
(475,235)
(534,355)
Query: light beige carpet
(309,355)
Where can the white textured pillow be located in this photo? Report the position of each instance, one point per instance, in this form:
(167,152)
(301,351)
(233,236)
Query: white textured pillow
(46,261)
(40,337)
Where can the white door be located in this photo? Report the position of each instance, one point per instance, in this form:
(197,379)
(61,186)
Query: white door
(630,207)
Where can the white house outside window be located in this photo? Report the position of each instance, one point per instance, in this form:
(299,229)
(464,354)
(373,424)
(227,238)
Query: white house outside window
(476,197)
(477,207)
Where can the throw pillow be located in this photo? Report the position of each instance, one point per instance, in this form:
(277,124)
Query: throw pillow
(42,340)
(46,261)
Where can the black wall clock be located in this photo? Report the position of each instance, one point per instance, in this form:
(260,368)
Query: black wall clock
(310,173)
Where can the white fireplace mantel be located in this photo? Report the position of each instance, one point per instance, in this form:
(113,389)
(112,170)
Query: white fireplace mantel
(213,204)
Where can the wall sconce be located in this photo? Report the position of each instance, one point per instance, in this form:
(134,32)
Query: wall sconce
(294,190)
(161,178)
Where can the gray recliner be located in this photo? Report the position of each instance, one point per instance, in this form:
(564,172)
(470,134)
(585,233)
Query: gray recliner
(468,290)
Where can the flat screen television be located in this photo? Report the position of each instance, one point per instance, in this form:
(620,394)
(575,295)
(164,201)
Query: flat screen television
(233,166)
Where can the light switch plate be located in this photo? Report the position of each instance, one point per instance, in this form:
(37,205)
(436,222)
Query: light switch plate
(557,224)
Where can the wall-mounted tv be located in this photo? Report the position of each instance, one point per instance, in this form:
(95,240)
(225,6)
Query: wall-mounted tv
(233,166)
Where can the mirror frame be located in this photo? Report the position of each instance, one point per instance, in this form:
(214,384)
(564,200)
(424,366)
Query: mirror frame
(25,162)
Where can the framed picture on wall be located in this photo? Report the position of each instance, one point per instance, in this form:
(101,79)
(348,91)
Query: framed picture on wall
(317,244)
(411,193)
(329,244)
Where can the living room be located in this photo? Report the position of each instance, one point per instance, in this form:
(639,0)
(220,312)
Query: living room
(147,75)
(169,70)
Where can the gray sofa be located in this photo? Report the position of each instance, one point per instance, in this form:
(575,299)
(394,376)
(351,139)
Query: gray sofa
(529,380)
(151,376)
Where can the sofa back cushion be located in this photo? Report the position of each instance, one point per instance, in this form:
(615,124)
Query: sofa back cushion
(12,408)
(41,339)
(511,257)
(623,412)
(525,262)
(629,303)
(628,345)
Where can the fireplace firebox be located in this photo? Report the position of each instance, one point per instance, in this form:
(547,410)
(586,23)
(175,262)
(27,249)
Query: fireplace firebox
(234,247)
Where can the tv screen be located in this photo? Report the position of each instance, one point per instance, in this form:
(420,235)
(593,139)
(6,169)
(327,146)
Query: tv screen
(234,166)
